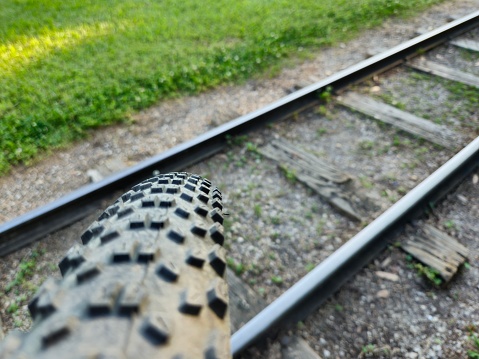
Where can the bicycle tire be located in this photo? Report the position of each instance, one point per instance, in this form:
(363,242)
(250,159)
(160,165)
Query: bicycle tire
(148,281)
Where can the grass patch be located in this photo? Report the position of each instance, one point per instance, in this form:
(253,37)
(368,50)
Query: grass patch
(26,270)
(238,268)
(365,182)
(474,353)
(21,288)
(276,280)
(68,67)
(257,210)
(468,55)
(309,267)
(431,274)
(462,100)
(289,173)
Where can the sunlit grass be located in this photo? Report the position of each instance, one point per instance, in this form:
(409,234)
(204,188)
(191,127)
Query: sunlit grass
(18,54)
(69,66)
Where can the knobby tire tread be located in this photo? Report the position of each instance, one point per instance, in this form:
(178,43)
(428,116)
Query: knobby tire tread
(148,281)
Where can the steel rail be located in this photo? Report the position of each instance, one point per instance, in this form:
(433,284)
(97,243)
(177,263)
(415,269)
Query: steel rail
(46,219)
(327,277)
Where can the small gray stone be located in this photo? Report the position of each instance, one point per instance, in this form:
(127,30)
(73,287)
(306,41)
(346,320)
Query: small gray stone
(94,175)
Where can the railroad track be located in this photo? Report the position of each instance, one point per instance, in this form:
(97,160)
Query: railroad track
(310,138)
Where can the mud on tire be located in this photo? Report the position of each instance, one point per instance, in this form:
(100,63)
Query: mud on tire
(148,282)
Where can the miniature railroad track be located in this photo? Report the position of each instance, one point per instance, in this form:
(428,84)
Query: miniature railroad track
(329,182)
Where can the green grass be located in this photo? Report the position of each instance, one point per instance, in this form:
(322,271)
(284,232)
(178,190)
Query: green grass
(238,268)
(21,288)
(276,280)
(257,210)
(71,66)
(26,270)
(289,174)
(464,95)
(309,267)
(474,353)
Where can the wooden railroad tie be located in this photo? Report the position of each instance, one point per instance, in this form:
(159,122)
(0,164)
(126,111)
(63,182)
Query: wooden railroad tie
(405,121)
(431,246)
(437,250)
(467,44)
(329,182)
(445,72)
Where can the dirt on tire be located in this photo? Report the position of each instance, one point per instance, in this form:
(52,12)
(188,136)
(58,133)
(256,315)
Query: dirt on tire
(148,282)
